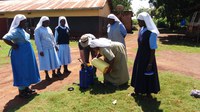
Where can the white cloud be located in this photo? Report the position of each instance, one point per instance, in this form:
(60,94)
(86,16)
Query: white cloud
(137,4)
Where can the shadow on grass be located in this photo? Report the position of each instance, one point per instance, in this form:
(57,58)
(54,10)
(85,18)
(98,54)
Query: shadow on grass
(100,88)
(148,104)
(177,31)
(44,83)
(177,39)
(16,103)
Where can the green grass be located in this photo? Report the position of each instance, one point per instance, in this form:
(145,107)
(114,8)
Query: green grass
(173,97)
(4,50)
(179,48)
(34,46)
(130,62)
(73,44)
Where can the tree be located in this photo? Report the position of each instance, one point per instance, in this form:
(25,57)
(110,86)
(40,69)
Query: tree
(175,10)
(125,3)
(143,10)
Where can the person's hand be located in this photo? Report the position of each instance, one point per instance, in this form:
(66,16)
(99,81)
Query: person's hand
(98,55)
(15,46)
(41,53)
(149,67)
(57,48)
(82,66)
(109,70)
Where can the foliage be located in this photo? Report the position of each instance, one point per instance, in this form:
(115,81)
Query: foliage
(175,10)
(125,3)
(143,10)
(161,23)
(135,22)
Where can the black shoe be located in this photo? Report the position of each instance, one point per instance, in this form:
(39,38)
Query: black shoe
(149,95)
(59,73)
(24,94)
(66,72)
(54,75)
(135,94)
(31,91)
(47,78)
(109,84)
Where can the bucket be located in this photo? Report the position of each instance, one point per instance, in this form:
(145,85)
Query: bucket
(100,64)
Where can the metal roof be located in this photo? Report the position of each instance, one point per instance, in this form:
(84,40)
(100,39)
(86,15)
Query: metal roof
(36,5)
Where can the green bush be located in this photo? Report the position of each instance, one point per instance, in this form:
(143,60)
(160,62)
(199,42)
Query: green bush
(162,23)
(135,22)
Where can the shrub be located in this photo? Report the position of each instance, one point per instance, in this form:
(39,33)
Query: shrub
(162,23)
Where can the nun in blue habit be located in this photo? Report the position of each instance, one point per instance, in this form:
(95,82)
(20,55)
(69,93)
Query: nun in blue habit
(23,61)
(46,47)
(145,74)
(62,35)
(116,30)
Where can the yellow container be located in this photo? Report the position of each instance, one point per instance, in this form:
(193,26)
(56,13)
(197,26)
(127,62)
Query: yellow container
(100,64)
(88,64)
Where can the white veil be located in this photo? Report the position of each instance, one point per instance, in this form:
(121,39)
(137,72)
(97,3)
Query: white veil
(149,22)
(66,23)
(112,16)
(42,19)
(16,21)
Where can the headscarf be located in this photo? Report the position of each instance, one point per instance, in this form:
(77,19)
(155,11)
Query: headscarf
(148,21)
(66,23)
(16,21)
(42,19)
(101,42)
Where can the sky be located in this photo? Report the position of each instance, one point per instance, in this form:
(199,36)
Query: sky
(137,4)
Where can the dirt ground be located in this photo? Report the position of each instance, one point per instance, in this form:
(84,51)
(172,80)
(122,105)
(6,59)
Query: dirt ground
(184,63)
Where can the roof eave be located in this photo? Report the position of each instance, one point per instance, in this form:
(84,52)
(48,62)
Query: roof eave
(92,8)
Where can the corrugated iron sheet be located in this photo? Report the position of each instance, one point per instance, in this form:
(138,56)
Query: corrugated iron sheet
(30,5)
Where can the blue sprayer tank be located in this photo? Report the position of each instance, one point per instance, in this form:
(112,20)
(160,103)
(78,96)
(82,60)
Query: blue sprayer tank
(86,76)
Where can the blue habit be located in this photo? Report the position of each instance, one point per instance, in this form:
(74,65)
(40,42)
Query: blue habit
(24,65)
(25,69)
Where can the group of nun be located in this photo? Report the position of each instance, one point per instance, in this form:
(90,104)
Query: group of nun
(53,52)
(144,74)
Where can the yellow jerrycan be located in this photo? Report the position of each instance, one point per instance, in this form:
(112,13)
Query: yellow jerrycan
(100,64)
